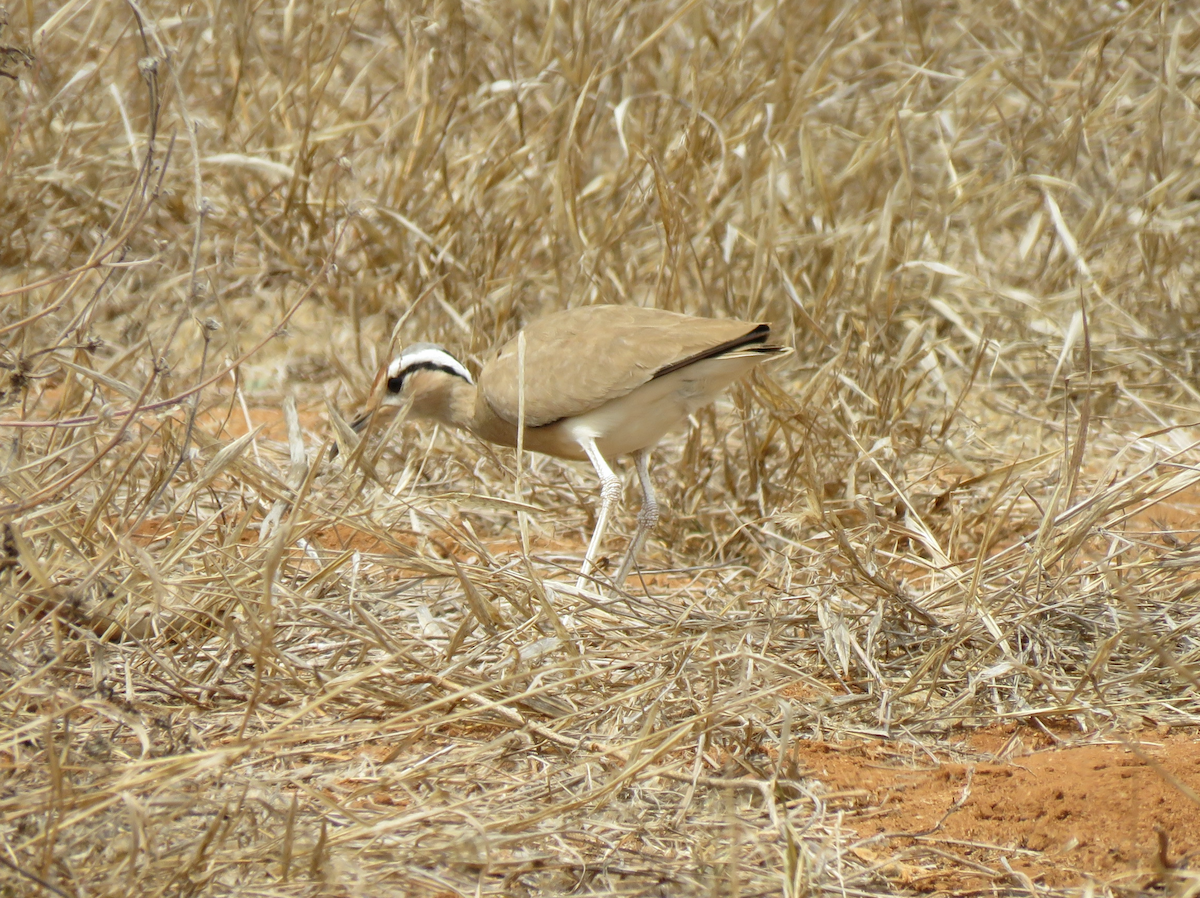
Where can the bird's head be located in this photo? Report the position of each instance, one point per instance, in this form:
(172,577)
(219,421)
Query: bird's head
(424,375)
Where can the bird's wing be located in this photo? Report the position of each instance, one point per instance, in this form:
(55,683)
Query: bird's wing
(579,359)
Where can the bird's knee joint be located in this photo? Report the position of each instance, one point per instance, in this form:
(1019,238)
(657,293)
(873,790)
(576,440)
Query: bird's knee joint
(610,490)
(648,516)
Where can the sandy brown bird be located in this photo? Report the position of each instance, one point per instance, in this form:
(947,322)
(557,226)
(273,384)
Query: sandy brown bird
(589,383)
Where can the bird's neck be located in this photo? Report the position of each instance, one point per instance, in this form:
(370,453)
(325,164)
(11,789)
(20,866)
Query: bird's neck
(455,406)
(454,402)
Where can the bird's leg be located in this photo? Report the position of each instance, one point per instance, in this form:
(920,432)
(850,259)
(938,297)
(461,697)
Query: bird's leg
(647,515)
(610,494)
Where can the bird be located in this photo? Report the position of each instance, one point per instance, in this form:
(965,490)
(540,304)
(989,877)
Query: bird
(587,383)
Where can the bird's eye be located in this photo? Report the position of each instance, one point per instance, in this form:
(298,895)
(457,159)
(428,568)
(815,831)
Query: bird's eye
(395,383)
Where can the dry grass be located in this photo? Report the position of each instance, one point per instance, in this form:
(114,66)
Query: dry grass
(232,667)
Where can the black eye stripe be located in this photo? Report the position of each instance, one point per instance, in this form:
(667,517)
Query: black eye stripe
(396,384)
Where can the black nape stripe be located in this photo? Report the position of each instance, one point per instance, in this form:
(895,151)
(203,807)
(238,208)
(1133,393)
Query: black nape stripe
(396,384)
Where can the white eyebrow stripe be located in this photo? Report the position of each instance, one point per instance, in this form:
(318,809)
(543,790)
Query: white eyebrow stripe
(428,356)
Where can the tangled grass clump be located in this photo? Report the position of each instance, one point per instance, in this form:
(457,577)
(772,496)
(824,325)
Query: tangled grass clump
(231,666)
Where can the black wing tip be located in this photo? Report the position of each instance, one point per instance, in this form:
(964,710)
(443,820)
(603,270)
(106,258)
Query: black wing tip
(768,348)
(754,340)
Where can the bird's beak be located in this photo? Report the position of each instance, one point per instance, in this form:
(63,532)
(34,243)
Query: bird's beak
(378,391)
(359,424)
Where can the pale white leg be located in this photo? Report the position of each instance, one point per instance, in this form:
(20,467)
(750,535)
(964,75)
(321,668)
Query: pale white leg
(647,515)
(610,495)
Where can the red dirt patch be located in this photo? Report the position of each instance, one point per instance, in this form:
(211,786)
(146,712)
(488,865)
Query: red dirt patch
(1059,816)
(1175,516)
(226,420)
(340,537)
